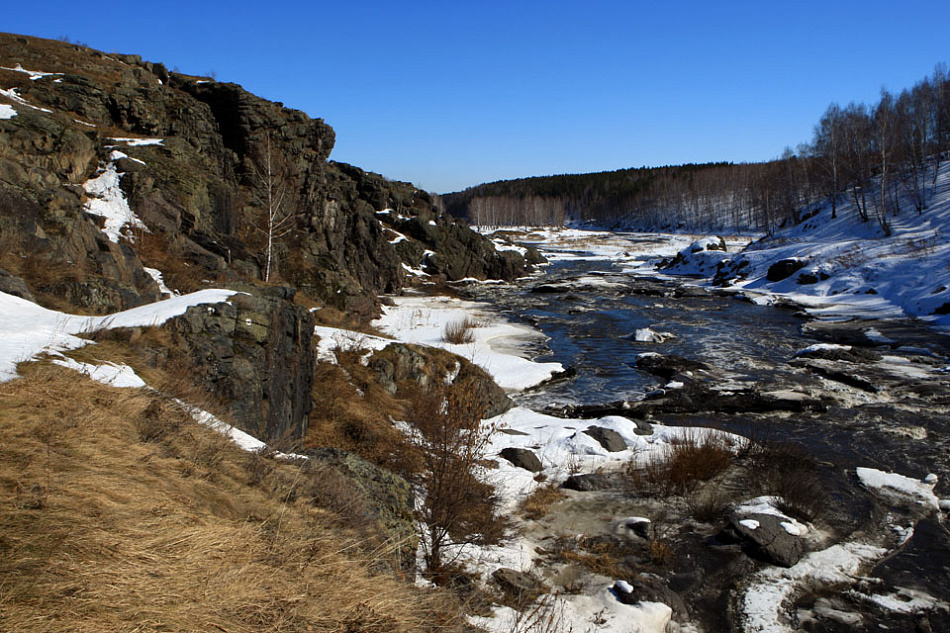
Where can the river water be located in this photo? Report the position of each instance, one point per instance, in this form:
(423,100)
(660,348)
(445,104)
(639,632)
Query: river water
(591,311)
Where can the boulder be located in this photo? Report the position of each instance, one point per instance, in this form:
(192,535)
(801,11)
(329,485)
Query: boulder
(587,483)
(668,365)
(400,363)
(523,458)
(649,588)
(608,438)
(521,587)
(255,351)
(764,537)
(640,527)
(15,286)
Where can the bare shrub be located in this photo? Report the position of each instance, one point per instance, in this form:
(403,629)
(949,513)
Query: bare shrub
(681,465)
(660,552)
(785,470)
(457,507)
(459,332)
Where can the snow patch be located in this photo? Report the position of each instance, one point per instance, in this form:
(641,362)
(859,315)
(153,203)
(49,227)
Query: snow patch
(107,201)
(894,485)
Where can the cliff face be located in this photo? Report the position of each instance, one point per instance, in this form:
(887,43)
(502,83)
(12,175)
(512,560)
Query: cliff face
(200,188)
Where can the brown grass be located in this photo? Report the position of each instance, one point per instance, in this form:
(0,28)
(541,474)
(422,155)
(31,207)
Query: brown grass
(785,470)
(681,466)
(353,412)
(459,332)
(104,528)
(158,250)
(538,504)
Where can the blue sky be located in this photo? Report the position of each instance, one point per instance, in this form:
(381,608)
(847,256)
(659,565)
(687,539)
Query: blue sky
(452,94)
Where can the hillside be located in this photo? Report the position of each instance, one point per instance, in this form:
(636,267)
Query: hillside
(839,267)
(204,182)
(118,513)
(899,141)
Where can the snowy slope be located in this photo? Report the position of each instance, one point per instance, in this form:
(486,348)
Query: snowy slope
(27,329)
(849,268)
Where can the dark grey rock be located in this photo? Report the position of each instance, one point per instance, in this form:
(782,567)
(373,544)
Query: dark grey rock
(608,438)
(256,352)
(523,458)
(587,483)
(15,286)
(785,268)
(668,365)
(769,541)
(650,588)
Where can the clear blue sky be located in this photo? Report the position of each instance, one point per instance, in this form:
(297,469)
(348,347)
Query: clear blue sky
(451,94)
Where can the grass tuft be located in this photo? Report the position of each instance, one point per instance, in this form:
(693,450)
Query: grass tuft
(460,332)
(682,465)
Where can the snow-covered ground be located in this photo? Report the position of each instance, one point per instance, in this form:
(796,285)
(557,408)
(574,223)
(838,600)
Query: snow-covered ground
(107,200)
(497,346)
(28,331)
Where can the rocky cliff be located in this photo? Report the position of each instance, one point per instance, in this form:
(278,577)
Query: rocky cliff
(197,161)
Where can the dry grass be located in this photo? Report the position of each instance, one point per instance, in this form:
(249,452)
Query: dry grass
(460,332)
(353,412)
(538,504)
(785,470)
(119,514)
(158,250)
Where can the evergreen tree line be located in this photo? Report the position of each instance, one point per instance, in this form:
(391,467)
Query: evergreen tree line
(872,154)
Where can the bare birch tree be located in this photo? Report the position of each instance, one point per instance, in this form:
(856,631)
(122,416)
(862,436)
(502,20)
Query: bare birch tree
(275,196)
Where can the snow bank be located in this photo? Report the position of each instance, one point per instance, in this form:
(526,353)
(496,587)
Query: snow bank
(121,376)
(332,339)
(6,111)
(498,346)
(762,609)
(27,329)
(600,612)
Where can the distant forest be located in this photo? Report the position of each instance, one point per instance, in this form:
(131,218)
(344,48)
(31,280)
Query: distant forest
(869,153)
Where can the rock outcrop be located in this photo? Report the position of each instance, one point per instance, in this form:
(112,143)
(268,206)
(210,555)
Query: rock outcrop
(192,168)
(255,352)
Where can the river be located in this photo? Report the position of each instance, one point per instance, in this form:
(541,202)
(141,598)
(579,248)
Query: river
(890,414)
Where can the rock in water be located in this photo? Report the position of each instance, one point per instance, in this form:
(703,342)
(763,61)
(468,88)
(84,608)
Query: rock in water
(765,537)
